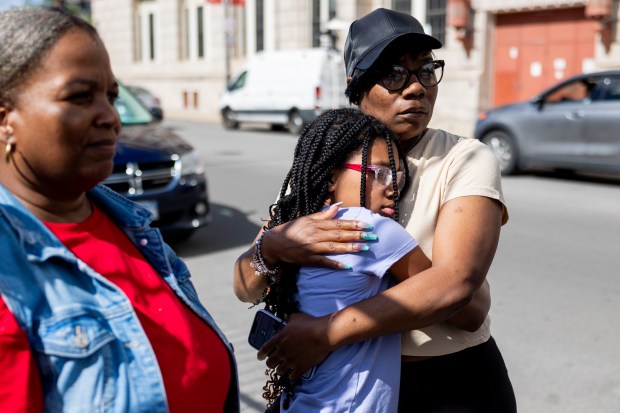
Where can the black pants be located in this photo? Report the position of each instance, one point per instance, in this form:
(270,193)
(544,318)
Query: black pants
(474,380)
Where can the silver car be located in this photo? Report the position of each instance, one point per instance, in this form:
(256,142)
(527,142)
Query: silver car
(573,126)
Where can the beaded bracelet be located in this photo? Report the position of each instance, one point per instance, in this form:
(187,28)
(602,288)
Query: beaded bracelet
(258,263)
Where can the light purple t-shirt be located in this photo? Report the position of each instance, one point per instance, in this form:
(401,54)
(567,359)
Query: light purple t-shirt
(361,377)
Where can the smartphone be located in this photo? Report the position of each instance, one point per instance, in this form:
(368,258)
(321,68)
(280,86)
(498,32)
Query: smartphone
(265,326)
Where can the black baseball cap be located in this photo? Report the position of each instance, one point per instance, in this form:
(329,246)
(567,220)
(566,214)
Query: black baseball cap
(371,34)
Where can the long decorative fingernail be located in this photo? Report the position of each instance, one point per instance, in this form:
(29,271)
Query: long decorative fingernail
(363,225)
(338,203)
(369,236)
(361,247)
(344,266)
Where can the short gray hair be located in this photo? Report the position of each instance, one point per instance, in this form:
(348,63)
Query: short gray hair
(26,35)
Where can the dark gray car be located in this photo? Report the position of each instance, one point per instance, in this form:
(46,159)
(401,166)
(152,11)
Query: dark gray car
(573,126)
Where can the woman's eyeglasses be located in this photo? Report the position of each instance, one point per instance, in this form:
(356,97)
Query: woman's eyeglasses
(397,77)
(383,175)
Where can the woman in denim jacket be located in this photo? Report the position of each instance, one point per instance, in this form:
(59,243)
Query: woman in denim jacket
(97,313)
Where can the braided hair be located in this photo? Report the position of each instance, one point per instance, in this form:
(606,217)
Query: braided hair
(324,145)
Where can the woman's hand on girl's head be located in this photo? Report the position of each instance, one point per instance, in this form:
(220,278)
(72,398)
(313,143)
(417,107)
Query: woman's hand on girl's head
(305,240)
(302,344)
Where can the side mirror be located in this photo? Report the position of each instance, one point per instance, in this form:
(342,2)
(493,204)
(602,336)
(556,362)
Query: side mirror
(538,101)
(157,113)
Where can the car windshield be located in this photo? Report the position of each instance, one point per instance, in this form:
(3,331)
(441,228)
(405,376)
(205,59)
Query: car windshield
(129,108)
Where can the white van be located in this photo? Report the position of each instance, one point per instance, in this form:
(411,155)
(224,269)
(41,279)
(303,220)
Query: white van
(285,88)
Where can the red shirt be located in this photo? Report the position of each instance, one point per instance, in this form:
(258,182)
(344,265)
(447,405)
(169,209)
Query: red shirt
(193,360)
(20,384)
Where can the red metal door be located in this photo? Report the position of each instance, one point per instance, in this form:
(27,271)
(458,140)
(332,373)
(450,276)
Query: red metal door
(535,50)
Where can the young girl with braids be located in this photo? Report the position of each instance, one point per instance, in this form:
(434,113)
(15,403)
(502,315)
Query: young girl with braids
(328,159)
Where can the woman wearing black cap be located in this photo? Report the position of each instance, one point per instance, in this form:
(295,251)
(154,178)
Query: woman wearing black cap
(454,208)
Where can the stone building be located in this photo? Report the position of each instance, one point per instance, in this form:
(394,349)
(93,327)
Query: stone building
(495,51)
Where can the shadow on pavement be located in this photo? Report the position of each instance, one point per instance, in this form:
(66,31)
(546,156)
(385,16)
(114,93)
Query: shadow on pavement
(229,228)
(578,177)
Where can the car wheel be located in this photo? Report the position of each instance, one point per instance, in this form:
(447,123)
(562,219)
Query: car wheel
(228,121)
(295,122)
(504,149)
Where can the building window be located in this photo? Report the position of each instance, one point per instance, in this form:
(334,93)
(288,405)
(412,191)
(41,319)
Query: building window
(147,32)
(332,9)
(316,23)
(322,11)
(151,37)
(200,40)
(260,25)
(402,6)
(436,18)
(195,30)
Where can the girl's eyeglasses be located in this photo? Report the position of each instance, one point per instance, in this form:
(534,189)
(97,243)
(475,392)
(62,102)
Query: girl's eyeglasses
(383,175)
(397,77)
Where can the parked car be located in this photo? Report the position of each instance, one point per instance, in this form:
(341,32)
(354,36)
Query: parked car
(285,89)
(152,102)
(158,169)
(573,126)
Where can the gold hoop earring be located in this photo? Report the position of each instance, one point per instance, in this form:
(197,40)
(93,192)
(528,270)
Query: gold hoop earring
(8,149)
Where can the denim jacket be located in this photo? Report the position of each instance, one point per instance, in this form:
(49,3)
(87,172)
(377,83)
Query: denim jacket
(91,350)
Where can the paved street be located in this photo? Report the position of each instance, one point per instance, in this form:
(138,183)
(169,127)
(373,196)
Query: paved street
(554,280)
